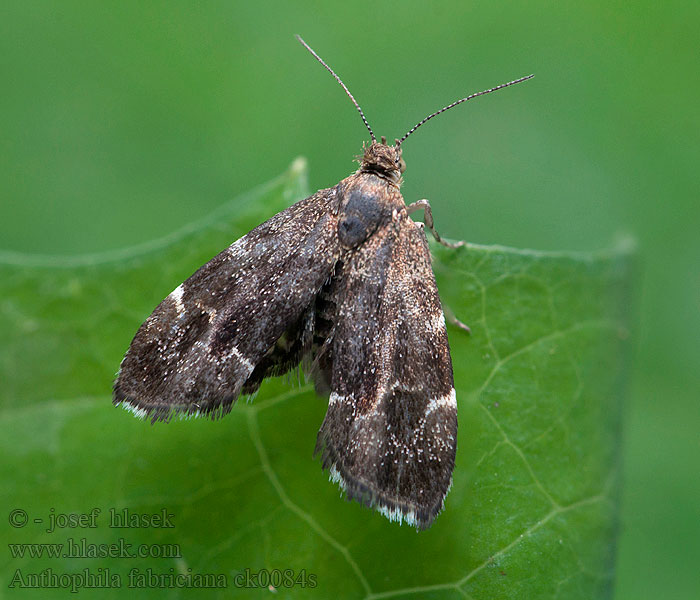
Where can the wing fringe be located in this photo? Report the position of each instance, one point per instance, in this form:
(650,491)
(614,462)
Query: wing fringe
(360,491)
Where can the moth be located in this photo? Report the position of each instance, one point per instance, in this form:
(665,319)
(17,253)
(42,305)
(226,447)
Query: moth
(342,280)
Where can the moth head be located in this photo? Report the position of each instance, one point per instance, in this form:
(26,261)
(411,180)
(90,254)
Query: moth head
(383,160)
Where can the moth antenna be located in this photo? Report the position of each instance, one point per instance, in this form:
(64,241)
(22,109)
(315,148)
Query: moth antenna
(498,87)
(347,91)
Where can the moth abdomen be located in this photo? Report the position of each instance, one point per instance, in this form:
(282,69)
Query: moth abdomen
(325,316)
(285,354)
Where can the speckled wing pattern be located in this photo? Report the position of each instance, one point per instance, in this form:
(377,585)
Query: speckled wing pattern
(389,436)
(344,279)
(200,347)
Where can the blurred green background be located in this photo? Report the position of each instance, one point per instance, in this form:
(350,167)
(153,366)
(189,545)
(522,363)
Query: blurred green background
(120,122)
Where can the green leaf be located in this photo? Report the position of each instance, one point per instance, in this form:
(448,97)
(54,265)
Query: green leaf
(532,512)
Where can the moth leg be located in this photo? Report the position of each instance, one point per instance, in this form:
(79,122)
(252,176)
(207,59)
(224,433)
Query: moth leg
(429,223)
(453,320)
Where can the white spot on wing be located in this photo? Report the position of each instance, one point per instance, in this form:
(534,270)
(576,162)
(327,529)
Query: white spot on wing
(336,477)
(396,514)
(244,361)
(187,416)
(238,248)
(436,323)
(140,413)
(176,297)
(450,400)
(336,398)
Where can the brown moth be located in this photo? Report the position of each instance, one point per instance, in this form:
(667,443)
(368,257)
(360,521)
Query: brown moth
(343,280)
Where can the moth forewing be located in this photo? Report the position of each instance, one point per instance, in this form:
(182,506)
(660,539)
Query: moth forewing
(201,345)
(390,433)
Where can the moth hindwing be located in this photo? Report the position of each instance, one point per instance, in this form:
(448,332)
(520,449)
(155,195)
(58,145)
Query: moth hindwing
(342,278)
